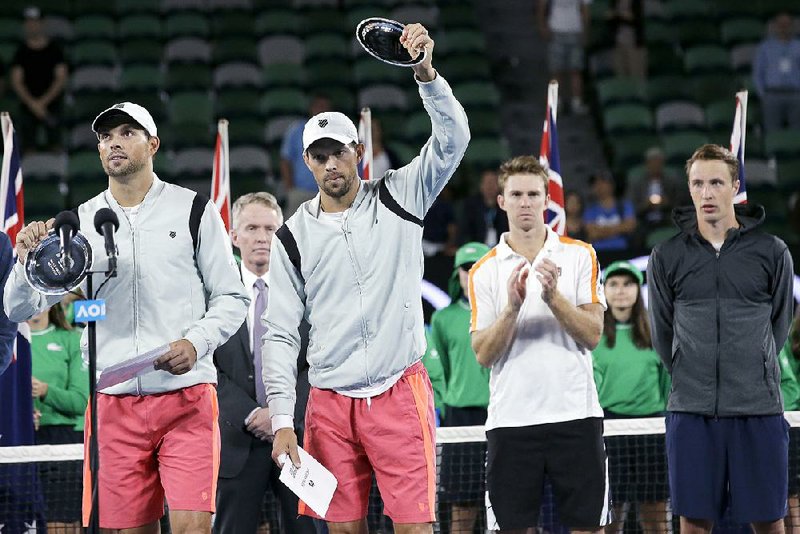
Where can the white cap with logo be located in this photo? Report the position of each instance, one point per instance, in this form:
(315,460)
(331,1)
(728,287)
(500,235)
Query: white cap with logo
(332,125)
(134,111)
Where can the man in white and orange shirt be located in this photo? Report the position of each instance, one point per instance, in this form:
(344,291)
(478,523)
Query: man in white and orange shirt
(536,333)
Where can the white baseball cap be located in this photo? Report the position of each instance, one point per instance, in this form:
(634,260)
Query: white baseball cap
(134,111)
(329,124)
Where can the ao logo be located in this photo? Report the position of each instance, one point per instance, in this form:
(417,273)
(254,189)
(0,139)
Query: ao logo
(90,310)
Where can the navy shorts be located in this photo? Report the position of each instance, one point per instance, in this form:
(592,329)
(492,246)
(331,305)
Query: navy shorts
(736,462)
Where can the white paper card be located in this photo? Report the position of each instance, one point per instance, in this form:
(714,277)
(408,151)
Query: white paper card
(311,482)
(136,366)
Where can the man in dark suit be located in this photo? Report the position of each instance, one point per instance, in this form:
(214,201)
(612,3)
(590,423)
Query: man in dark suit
(246,468)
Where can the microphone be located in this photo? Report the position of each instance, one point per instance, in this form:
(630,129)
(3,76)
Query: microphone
(106,223)
(66,226)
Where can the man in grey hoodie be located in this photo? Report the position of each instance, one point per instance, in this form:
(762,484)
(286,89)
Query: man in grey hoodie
(720,309)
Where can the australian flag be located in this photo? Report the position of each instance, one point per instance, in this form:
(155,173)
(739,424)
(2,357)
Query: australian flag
(737,143)
(21,503)
(555,216)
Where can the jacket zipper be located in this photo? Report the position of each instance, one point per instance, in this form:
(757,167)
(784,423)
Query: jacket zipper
(716,386)
(357,271)
(135,302)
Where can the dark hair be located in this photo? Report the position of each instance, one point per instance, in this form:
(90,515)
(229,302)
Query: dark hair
(55,315)
(641,326)
(711,152)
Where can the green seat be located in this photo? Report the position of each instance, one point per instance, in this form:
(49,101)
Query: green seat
(7,51)
(44,199)
(484,123)
(162,166)
(235,103)
(86,106)
(187,135)
(705,59)
(775,202)
(666,88)
(285,75)
(128,7)
(459,15)
(326,45)
(94,27)
(278,21)
(188,24)
(664,60)
(741,30)
(140,51)
(465,67)
(234,49)
(463,41)
(739,8)
(620,90)
(190,108)
(245,130)
(682,10)
(678,147)
(486,152)
(93,52)
(151,100)
(232,23)
(659,235)
(329,72)
(367,71)
(181,77)
(782,143)
(85,165)
(141,27)
(10,29)
(477,95)
(283,102)
(341,100)
(629,149)
(706,88)
(720,112)
(697,32)
(141,77)
(628,118)
(789,175)
(660,33)
(325,19)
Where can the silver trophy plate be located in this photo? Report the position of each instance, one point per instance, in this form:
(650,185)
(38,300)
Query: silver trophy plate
(381,39)
(45,270)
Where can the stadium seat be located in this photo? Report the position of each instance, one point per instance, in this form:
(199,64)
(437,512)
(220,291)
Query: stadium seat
(705,59)
(245,129)
(80,137)
(232,23)
(465,67)
(679,115)
(333,71)
(742,57)
(237,48)
(460,15)
(664,60)
(188,135)
(278,21)
(367,71)
(383,97)
(186,24)
(628,149)
(93,52)
(85,165)
(759,172)
(284,75)
(193,162)
(169,6)
(181,77)
(788,174)
(417,128)
(59,28)
(190,108)
(666,88)
(129,7)
(697,32)
(477,94)
(742,30)
(187,50)
(326,45)
(428,16)
(141,77)
(142,26)
(140,51)
(281,49)
(94,78)
(627,118)
(283,102)
(250,159)
(687,10)
(708,88)
(619,90)
(782,143)
(659,235)
(94,27)
(678,147)
(10,29)
(45,167)
(277,127)
(486,152)
(462,41)
(237,103)
(322,19)
(237,74)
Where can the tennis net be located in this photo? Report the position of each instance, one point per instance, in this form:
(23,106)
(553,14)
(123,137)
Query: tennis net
(43,484)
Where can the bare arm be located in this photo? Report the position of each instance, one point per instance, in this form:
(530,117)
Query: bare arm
(584,323)
(493,342)
(57,87)
(18,84)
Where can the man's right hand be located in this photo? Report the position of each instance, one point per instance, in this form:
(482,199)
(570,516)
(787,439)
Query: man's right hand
(260,425)
(517,285)
(30,236)
(285,442)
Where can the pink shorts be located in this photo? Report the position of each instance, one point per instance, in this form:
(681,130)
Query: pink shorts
(152,446)
(391,434)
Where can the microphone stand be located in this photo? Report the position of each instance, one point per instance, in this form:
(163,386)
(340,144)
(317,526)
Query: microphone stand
(94,453)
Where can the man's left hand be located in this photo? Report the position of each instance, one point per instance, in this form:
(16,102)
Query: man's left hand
(180,359)
(261,425)
(547,273)
(38,388)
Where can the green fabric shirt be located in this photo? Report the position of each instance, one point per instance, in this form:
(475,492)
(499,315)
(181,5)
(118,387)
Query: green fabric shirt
(466,382)
(57,361)
(630,380)
(789,385)
(433,365)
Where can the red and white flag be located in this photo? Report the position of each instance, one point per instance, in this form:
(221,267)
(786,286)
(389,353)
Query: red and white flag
(221,177)
(11,195)
(738,135)
(365,136)
(555,215)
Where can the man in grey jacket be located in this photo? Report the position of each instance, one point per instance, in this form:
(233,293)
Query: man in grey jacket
(350,262)
(720,309)
(177,286)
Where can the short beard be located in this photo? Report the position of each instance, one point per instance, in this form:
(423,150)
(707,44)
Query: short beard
(132,167)
(339,192)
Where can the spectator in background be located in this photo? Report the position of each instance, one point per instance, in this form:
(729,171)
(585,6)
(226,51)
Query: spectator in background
(433,364)
(789,361)
(626,18)
(481,220)
(632,382)
(297,180)
(564,25)
(466,393)
(657,192)
(440,233)
(610,222)
(60,385)
(38,77)
(573,208)
(383,158)
(776,75)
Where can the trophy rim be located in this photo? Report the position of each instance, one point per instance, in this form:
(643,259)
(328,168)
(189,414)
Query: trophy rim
(398,25)
(32,260)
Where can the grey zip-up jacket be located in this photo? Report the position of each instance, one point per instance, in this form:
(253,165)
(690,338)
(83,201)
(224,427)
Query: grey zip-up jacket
(358,285)
(718,320)
(161,292)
